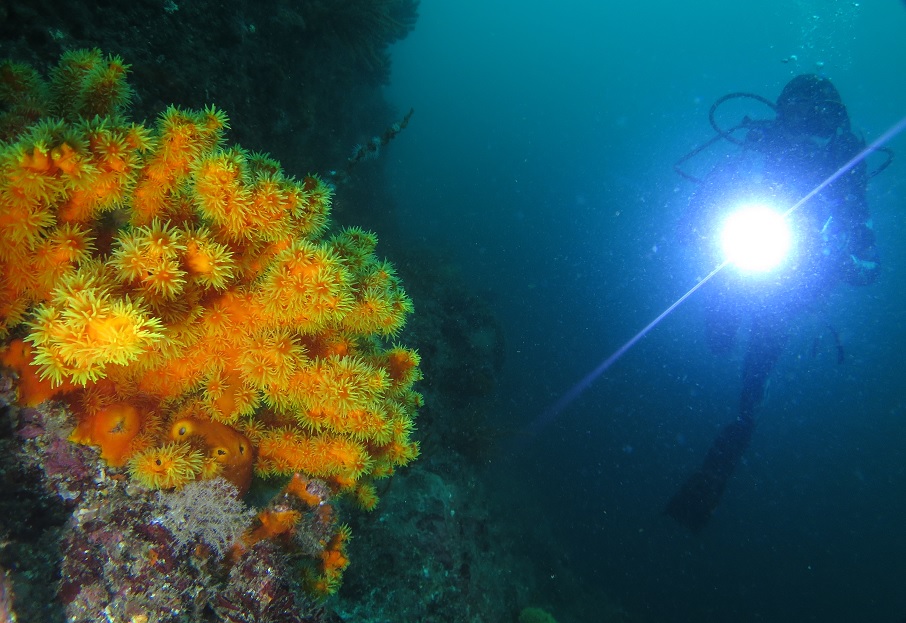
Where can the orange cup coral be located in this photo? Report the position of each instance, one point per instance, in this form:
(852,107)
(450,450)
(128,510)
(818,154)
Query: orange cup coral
(194,303)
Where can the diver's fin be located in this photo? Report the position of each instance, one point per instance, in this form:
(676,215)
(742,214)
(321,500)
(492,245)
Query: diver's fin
(841,355)
(693,504)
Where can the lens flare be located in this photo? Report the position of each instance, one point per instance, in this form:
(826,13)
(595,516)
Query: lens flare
(756,238)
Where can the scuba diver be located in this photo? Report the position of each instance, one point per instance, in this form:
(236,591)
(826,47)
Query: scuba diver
(779,161)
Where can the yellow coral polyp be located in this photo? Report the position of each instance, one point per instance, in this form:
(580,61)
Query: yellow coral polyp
(208,262)
(399,453)
(214,121)
(86,84)
(219,192)
(67,160)
(366,496)
(183,137)
(333,561)
(130,260)
(306,284)
(345,457)
(149,257)
(89,333)
(63,248)
(402,366)
(346,384)
(166,467)
(108,86)
(23,225)
(268,207)
(111,149)
(377,310)
(317,194)
(270,358)
(323,585)
(160,239)
(290,451)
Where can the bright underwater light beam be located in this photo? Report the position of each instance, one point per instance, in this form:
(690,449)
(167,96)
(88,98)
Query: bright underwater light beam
(552,412)
(756,238)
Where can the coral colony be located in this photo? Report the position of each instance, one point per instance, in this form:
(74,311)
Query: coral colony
(192,306)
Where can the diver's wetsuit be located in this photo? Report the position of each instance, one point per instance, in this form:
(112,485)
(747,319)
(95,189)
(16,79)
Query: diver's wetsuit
(779,163)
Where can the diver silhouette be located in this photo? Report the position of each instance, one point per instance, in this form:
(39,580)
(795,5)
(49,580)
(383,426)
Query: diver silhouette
(779,161)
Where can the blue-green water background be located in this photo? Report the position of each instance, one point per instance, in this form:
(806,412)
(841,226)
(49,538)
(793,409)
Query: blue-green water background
(540,157)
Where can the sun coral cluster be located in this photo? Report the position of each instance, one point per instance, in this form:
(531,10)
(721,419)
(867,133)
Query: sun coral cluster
(189,299)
